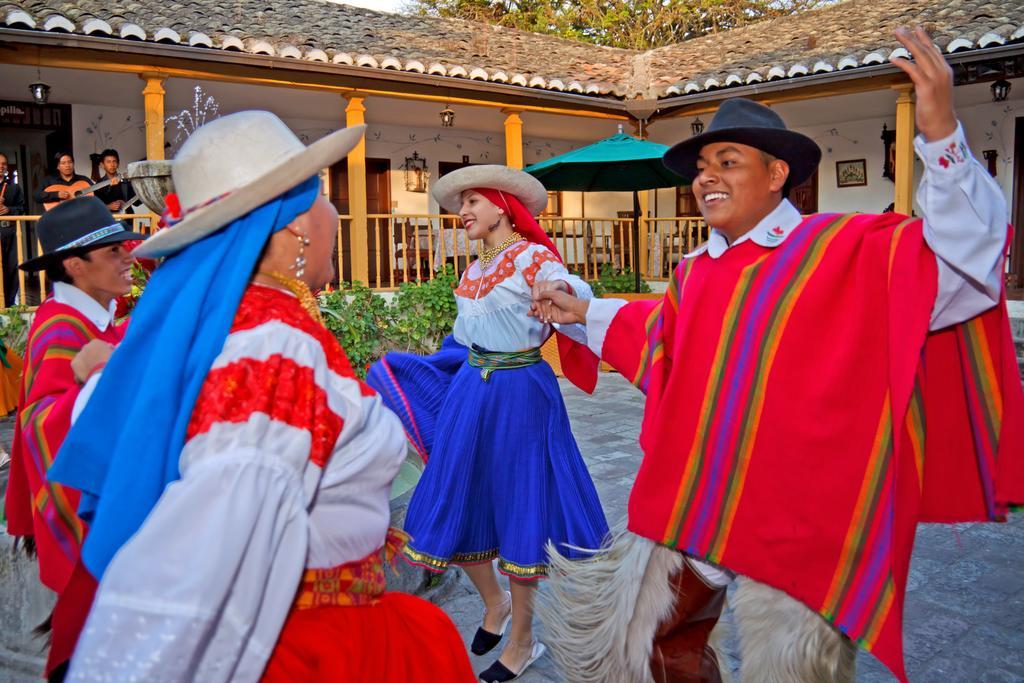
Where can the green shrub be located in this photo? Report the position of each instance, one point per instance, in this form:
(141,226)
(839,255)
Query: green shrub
(416,319)
(614,281)
(424,313)
(14,328)
(358,318)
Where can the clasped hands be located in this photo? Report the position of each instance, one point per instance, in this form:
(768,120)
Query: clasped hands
(552,303)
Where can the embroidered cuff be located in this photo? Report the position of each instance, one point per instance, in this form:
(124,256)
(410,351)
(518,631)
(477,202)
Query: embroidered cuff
(948,155)
(600,314)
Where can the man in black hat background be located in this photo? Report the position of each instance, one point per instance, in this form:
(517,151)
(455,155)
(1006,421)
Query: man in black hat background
(947,272)
(72,335)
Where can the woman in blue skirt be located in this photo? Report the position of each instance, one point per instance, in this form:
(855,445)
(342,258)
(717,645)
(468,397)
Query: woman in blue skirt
(504,475)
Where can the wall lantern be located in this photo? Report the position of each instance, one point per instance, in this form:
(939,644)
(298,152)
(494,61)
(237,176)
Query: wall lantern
(447,117)
(991,156)
(416,174)
(697,126)
(1000,90)
(41,91)
(889,155)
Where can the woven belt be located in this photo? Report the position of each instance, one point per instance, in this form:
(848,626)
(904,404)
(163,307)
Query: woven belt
(489,361)
(351,584)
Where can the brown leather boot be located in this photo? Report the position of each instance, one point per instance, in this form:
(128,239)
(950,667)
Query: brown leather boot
(681,651)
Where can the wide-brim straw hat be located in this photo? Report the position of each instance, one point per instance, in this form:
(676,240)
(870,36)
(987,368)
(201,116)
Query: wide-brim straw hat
(530,191)
(235,164)
(755,125)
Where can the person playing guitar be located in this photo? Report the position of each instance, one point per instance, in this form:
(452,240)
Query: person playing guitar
(62,185)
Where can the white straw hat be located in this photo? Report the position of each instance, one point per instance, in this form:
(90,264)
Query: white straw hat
(530,191)
(235,164)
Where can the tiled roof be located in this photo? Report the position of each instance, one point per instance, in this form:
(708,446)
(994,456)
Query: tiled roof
(846,35)
(843,36)
(323,31)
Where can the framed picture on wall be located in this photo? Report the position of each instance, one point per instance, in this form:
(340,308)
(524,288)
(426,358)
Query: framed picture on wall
(851,173)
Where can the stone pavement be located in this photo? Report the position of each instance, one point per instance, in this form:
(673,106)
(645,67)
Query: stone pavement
(965,601)
(964,616)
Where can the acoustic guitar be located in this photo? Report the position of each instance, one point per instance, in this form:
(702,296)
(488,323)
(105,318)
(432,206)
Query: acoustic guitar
(75,189)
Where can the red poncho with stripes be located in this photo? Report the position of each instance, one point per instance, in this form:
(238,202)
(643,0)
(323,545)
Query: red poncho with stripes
(36,507)
(801,419)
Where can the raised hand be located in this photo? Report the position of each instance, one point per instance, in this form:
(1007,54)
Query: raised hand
(933,83)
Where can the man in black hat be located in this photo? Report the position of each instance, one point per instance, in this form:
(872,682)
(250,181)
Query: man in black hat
(815,387)
(73,334)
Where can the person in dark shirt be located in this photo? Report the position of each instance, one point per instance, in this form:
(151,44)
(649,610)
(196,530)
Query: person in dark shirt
(118,192)
(12,203)
(65,175)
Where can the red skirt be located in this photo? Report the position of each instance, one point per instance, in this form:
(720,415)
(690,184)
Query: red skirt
(399,638)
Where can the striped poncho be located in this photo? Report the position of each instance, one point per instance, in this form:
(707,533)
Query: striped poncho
(36,507)
(801,419)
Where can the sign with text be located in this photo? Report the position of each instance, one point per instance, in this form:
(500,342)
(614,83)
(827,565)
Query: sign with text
(30,115)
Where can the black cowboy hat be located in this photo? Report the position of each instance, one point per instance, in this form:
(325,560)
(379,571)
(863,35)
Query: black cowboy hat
(749,123)
(74,226)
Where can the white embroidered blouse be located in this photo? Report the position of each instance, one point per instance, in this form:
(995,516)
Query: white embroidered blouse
(493,303)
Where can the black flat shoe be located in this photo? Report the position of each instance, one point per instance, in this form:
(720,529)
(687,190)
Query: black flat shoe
(498,672)
(485,641)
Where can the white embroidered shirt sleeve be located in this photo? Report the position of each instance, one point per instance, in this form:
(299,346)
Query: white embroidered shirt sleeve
(600,314)
(201,591)
(965,224)
(552,269)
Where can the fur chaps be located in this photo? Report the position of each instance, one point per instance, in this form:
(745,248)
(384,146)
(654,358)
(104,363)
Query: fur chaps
(601,617)
(784,641)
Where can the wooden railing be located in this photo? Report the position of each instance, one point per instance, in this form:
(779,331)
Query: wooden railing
(411,247)
(668,239)
(31,287)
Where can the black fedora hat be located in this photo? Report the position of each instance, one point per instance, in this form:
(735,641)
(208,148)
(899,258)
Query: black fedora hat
(749,123)
(75,225)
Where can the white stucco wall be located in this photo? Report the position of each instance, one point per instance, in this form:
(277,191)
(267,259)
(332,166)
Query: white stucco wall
(988,126)
(96,128)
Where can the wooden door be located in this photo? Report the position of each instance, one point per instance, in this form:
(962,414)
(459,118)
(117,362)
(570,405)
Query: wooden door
(378,201)
(805,195)
(446,167)
(686,203)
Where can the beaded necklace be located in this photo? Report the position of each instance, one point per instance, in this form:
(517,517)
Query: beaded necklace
(300,289)
(488,255)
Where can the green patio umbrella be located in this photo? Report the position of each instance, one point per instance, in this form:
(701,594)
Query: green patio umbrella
(621,163)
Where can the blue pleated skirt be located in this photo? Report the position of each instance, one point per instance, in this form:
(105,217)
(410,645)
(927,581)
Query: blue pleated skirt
(503,475)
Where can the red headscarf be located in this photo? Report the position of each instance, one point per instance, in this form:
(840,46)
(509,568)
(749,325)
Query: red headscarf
(579,364)
(522,220)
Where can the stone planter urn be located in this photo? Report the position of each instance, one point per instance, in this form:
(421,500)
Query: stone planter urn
(152,181)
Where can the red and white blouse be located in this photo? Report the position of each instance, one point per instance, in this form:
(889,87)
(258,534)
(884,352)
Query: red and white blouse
(493,303)
(287,465)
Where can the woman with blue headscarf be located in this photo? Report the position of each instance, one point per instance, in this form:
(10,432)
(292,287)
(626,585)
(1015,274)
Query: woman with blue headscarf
(239,511)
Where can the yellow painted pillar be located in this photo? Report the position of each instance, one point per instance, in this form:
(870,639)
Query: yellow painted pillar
(153,98)
(645,228)
(904,199)
(355,114)
(513,138)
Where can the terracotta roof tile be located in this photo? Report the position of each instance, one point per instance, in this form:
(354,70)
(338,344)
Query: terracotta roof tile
(319,27)
(831,38)
(846,35)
